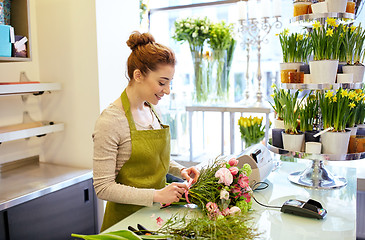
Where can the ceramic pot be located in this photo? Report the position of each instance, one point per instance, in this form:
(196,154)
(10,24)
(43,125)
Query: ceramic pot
(335,142)
(308,136)
(293,142)
(336,5)
(353,130)
(277,139)
(356,144)
(345,78)
(357,71)
(319,7)
(278,123)
(323,71)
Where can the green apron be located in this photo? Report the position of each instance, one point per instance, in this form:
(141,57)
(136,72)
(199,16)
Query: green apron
(146,168)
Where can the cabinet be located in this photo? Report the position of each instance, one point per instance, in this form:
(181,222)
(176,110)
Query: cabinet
(53,216)
(20,20)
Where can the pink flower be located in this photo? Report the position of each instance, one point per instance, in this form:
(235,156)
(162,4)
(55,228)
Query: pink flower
(224,194)
(226,212)
(159,221)
(225,176)
(211,207)
(233,162)
(243,181)
(234,210)
(247,196)
(233,170)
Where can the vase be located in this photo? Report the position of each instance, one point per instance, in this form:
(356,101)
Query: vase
(277,139)
(353,130)
(200,94)
(335,142)
(356,144)
(350,7)
(337,6)
(323,71)
(357,71)
(309,136)
(220,86)
(319,7)
(293,142)
(286,68)
(301,7)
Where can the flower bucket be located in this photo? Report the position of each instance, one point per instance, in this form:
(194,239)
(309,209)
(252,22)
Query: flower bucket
(336,5)
(293,142)
(357,71)
(323,71)
(277,139)
(353,130)
(357,144)
(278,123)
(319,7)
(345,78)
(335,142)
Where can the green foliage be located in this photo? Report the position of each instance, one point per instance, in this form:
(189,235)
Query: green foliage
(252,130)
(308,113)
(291,110)
(278,108)
(119,235)
(295,47)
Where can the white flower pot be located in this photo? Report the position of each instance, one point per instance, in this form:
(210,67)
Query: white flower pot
(320,7)
(323,71)
(357,71)
(353,130)
(345,78)
(288,66)
(336,5)
(307,79)
(335,142)
(293,142)
(278,124)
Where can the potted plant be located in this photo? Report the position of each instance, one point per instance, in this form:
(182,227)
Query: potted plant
(220,41)
(277,140)
(336,111)
(355,52)
(296,50)
(326,41)
(308,118)
(360,115)
(252,130)
(195,31)
(292,138)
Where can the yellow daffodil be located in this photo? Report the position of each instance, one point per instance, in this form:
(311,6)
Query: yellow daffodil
(331,21)
(277,34)
(312,97)
(353,28)
(345,28)
(334,99)
(341,34)
(352,95)
(358,91)
(244,124)
(300,37)
(362,94)
(273,85)
(344,93)
(329,32)
(316,25)
(358,98)
(329,94)
(352,105)
(286,31)
(337,25)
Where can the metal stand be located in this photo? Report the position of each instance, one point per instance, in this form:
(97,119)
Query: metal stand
(317,176)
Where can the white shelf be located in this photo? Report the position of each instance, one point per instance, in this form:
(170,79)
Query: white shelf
(49,127)
(307,20)
(28,88)
(324,86)
(232,108)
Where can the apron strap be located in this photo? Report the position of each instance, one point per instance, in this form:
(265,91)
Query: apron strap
(154,112)
(127,110)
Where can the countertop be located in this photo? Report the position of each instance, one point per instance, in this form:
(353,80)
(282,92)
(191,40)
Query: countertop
(34,180)
(340,203)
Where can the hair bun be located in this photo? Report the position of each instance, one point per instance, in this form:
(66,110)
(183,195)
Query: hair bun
(139,39)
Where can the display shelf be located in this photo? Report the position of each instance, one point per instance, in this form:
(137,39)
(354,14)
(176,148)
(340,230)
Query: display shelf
(308,19)
(328,157)
(28,88)
(324,86)
(27,130)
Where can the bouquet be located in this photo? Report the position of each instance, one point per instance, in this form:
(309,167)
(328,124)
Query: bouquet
(252,130)
(223,194)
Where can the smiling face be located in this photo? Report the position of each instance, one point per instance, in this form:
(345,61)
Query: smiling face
(156,84)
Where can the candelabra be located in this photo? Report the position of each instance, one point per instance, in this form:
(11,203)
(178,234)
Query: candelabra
(254,32)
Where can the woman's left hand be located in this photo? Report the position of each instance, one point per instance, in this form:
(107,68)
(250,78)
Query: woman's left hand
(188,173)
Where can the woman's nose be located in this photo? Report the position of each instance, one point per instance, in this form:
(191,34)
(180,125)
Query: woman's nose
(166,89)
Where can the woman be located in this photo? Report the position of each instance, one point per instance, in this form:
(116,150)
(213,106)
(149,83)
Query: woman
(131,145)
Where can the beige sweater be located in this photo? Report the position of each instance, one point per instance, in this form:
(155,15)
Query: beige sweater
(112,148)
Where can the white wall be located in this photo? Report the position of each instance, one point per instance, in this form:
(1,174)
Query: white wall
(115,20)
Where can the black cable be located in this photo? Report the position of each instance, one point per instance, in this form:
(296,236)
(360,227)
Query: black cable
(261,188)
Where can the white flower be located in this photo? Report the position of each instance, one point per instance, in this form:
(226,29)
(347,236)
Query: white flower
(202,28)
(224,194)
(205,31)
(197,28)
(187,25)
(195,34)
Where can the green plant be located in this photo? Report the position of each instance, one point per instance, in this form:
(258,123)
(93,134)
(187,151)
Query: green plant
(291,110)
(278,108)
(360,110)
(252,130)
(337,108)
(295,47)
(308,113)
(359,33)
(326,40)
(347,45)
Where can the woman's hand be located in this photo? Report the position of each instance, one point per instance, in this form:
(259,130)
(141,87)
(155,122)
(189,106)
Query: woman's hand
(188,173)
(170,193)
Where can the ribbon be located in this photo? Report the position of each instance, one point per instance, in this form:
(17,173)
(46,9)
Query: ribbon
(187,191)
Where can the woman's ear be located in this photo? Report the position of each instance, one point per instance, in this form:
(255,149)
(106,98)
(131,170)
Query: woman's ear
(137,75)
